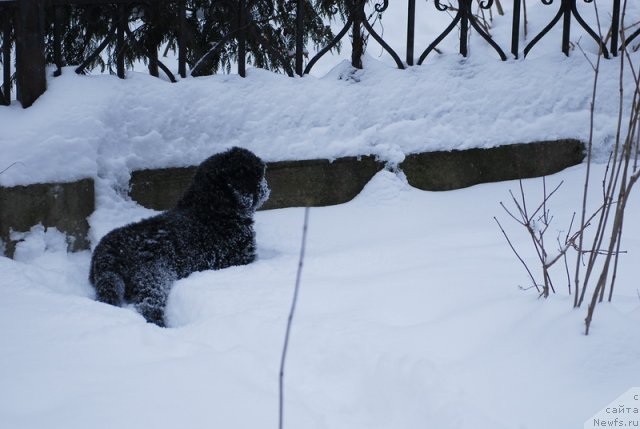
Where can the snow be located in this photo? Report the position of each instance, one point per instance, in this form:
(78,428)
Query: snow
(409,315)
(100,126)
(411,312)
(144,122)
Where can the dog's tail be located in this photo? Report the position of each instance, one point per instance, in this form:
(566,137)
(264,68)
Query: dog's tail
(109,285)
(110,288)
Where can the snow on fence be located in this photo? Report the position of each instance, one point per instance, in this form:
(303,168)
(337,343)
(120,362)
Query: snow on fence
(23,23)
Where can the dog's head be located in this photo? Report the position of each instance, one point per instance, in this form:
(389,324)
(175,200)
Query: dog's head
(232,181)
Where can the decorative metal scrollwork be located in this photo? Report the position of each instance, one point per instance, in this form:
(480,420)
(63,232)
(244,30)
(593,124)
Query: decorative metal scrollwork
(630,39)
(381,7)
(567,9)
(441,7)
(357,14)
(464,17)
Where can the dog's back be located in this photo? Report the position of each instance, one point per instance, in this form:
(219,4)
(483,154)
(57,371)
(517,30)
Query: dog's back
(138,263)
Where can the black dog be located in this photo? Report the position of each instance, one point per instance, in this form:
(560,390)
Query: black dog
(211,227)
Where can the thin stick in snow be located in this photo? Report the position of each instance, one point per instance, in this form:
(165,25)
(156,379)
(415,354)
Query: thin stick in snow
(290,320)
(11,165)
(533,280)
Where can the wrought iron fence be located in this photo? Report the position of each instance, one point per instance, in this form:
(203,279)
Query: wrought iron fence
(20,26)
(6,23)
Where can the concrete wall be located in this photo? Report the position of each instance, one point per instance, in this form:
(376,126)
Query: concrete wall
(443,171)
(316,182)
(66,206)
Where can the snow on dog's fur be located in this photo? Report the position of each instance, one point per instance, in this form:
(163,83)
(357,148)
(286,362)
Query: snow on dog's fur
(211,227)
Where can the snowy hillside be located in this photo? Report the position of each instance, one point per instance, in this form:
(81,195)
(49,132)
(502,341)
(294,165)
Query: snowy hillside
(413,311)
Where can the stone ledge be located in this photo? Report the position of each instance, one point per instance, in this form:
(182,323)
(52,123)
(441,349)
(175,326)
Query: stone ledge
(64,206)
(444,171)
(316,182)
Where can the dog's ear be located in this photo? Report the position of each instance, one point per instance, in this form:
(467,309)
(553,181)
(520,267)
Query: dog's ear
(208,191)
(246,175)
(230,181)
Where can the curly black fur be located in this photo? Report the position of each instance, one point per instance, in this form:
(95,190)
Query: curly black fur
(211,227)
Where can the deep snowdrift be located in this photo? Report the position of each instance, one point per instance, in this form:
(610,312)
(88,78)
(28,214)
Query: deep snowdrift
(100,126)
(409,316)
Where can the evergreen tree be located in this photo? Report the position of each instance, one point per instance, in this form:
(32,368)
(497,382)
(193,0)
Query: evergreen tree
(213,29)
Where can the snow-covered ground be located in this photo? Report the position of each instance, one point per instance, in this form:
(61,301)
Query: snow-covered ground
(411,313)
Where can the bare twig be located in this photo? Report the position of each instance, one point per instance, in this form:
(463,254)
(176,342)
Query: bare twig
(579,295)
(546,196)
(586,57)
(527,288)
(621,181)
(290,319)
(537,225)
(526,267)
(10,166)
(564,256)
(511,214)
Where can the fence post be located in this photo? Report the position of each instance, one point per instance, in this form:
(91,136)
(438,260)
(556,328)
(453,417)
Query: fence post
(566,28)
(242,38)
(182,48)
(30,60)
(411,30)
(465,7)
(6,55)
(299,36)
(615,27)
(515,30)
(357,42)
(153,39)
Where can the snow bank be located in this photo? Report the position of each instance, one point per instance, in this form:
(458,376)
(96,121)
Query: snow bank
(410,315)
(99,126)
